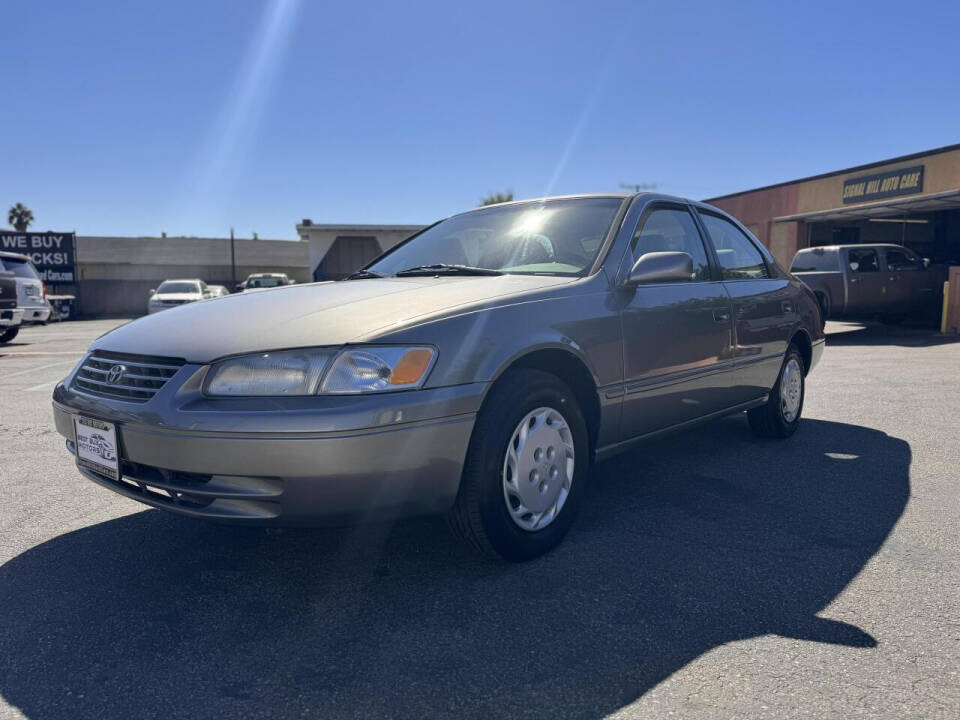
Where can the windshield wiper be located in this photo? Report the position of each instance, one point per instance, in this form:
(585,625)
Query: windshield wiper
(364,275)
(445,269)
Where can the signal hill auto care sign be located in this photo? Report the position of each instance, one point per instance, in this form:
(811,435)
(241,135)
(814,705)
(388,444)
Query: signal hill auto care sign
(52,252)
(903,181)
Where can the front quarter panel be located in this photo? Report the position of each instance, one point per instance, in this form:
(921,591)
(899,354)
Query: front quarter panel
(478,345)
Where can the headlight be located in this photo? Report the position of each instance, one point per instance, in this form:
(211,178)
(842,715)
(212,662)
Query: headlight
(291,372)
(378,369)
(310,371)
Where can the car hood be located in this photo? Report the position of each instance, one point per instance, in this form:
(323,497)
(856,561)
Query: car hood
(318,314)
(176,296)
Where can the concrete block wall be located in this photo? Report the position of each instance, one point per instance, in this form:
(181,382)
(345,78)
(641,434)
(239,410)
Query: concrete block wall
(115,274)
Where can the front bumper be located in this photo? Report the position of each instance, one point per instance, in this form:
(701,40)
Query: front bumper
(11,318)
(265,468)
(36,313)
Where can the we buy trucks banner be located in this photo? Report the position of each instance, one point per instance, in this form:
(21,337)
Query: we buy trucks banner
(53,253)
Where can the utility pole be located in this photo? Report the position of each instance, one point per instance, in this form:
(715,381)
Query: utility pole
(637,187)
(233,263)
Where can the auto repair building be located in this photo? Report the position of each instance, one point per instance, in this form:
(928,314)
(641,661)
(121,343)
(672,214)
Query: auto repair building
(913,200)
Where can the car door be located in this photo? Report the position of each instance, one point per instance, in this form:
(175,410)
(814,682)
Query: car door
(676,335)
(866,284)
(908,281)
(763,309)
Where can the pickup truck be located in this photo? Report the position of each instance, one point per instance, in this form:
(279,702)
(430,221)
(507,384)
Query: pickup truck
(888,282)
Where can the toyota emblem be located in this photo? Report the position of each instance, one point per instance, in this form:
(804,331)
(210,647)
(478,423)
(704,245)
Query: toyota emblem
(115,373)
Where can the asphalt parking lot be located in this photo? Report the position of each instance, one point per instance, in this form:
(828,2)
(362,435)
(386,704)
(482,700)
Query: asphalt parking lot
(711,574)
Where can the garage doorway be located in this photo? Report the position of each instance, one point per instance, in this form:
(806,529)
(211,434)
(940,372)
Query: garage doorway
(348,254)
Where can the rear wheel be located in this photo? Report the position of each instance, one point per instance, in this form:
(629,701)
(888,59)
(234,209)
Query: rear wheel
(526,468)
(780,415)
(9,334)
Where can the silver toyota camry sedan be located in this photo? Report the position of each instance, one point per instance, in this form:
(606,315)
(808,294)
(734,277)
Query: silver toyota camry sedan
(476,370)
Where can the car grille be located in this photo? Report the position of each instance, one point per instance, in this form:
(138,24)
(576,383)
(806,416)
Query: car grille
(174,302)
(142,377)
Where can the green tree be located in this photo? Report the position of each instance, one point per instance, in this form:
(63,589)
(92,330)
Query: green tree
(497,198)
(20,217)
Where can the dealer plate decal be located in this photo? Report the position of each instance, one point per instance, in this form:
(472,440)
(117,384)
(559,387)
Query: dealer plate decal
(97,446)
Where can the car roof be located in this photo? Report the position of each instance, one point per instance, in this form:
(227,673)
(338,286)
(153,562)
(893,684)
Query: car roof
(14,256)
(196,280)
(853,245)
(613,195)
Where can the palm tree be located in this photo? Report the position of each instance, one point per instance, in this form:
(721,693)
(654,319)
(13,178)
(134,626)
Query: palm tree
(497,198)
(20,217)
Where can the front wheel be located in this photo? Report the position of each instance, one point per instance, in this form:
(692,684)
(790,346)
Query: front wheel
(780,415)
(526,468)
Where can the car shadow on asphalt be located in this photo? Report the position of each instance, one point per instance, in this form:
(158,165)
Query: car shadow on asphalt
(684,544)
(872,334)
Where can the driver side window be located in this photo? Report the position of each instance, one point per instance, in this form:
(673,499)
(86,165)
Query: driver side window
(672,230)
(901,260)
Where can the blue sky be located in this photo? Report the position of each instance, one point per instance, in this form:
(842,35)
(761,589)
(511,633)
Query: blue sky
(132,118)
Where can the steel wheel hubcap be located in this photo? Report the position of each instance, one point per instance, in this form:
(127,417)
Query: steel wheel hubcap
(538,469)
(791,384)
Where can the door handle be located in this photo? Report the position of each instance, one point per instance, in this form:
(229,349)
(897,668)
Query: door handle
(786,307)
(721,316)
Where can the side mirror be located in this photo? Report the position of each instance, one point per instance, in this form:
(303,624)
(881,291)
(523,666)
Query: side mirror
(926,263)
(153,291)
(661,267)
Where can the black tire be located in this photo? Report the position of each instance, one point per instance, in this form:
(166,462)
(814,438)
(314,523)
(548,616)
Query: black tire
(479,515)
(9,334)
(768,420)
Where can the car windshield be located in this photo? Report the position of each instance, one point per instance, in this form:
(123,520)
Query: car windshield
(265,282)
(178,287)
(555,237)
(20,268)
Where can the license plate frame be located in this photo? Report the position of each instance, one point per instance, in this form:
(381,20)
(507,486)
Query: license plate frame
(96,445)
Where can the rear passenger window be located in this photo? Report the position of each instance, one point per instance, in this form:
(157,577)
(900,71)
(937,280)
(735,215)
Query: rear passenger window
(19,268)
(672,230)
(816,260)
(862,261)
(739,257)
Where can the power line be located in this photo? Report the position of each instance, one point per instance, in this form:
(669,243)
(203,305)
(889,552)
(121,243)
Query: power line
(637,187)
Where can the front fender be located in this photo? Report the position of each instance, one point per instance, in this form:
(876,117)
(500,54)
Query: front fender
(478,346)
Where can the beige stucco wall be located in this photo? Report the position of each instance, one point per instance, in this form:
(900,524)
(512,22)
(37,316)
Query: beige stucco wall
(941,173)
(319,238)
(785,239)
